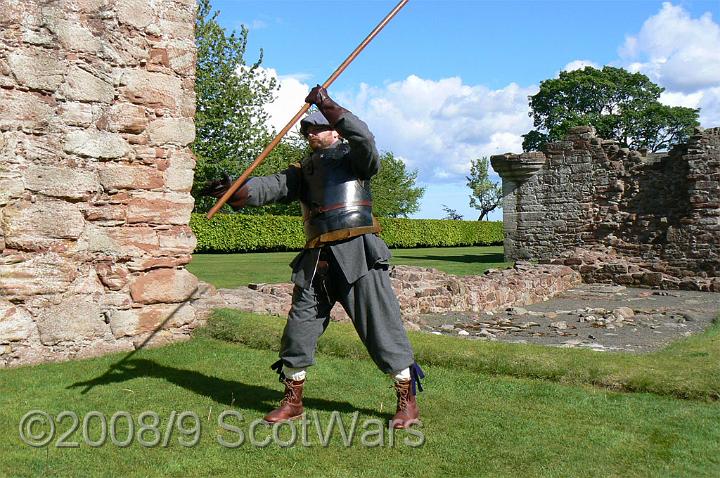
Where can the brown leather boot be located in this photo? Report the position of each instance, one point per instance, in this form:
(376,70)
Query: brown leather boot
(407,410)
(291,406)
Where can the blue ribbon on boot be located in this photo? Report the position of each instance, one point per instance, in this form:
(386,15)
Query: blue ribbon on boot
(416,374)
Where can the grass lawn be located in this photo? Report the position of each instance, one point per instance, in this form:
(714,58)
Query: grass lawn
(235,270)
(474,423)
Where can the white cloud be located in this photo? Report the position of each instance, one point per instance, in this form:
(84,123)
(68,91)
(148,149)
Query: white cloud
(675,50)
(439,126)
(579,65)
(289,98)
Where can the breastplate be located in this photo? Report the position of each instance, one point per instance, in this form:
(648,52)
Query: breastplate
(333,197)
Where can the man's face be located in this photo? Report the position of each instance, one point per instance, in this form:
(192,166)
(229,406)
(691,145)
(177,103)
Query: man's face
(320,137)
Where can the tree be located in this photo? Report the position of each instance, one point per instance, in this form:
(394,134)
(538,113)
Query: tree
(620,105)
(230,121)
(486,195)
(451,214)
(393,188)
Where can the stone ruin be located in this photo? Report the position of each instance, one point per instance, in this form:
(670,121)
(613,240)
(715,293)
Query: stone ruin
(617,215)
(96,113)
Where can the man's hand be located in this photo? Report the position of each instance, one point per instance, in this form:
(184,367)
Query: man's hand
(217,187)
(331,111)
(317,96)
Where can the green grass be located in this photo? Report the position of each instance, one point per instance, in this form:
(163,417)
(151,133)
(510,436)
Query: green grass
(474,424)
(688,368)
(235,270)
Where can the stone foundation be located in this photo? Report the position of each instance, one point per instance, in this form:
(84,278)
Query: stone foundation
(605,265)
(422,291)
(96,111)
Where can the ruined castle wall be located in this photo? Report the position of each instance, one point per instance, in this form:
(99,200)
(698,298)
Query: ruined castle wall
(661,211)
(96,114)
(552,207)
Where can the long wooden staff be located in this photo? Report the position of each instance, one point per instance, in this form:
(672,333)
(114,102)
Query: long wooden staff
(239,181)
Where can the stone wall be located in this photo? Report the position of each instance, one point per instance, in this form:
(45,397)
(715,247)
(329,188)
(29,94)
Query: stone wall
(96,112)
(661,212)
(422,291)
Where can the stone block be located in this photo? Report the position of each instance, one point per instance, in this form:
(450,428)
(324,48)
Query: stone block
(182,58)
(151,89)
(177,30)
(81,85)
(114,276)
(178,131)
(160,208)
(61,181)
(74,319)
(145,264)
(652,278)
(74,36)
(180,180)
(107,215)
(28,225)
(76,113)
(130,176)
(96,144)
(16,324)
(22,109)
(136,13)
(163,286)
(124,118)
(152,317)
(11,186)
(123,323)
(122,242)
(182,159)
(25,275)
(177,240)
(37,69)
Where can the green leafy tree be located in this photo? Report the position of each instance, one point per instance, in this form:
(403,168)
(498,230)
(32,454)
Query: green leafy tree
(451,214)
(620,105)
(393,188)
(486,196)
(230,122)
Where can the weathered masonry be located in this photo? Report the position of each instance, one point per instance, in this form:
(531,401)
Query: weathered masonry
(96,113)
(615,214)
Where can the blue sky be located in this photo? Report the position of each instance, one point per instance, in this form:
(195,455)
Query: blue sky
(447,81)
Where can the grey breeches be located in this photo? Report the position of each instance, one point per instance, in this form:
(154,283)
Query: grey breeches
(372,306)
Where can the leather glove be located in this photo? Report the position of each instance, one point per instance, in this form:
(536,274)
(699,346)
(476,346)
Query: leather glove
(331,111)
(219,187)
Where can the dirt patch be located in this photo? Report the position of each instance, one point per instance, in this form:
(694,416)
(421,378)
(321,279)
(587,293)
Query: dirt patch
(595,316)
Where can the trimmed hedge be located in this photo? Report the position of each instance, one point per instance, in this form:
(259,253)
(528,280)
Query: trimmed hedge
(248,233)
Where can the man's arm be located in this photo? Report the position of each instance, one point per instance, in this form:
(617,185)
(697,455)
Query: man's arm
(364,157)
(279,187)
(258,191)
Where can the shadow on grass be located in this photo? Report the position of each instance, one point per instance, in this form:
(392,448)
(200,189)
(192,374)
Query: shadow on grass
(491,258)
(227,392)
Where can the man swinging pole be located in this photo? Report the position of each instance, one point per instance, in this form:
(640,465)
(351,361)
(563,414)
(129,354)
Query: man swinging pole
(344,259)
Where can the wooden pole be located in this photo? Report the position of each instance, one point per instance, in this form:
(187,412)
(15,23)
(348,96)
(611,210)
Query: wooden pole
(244,176)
